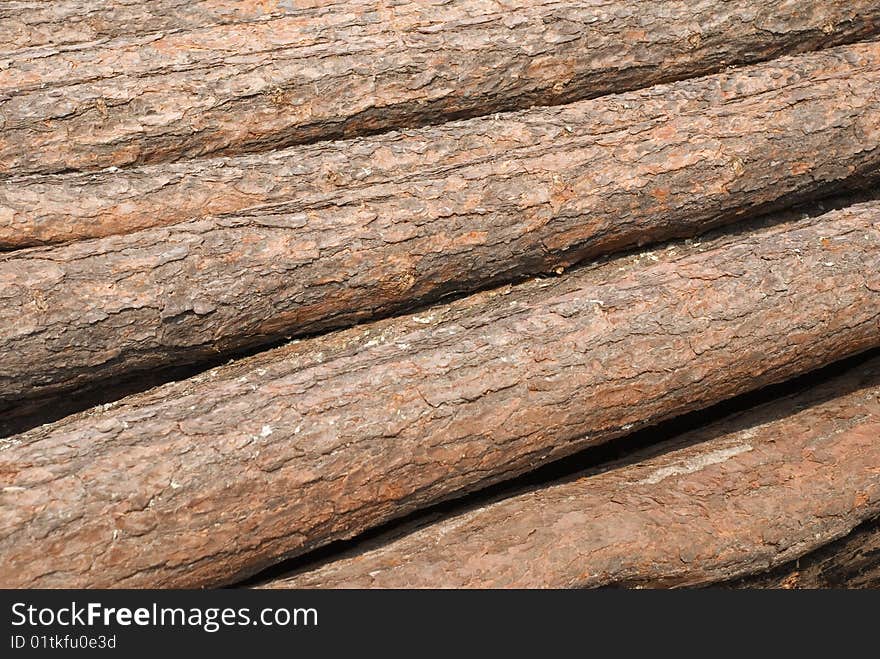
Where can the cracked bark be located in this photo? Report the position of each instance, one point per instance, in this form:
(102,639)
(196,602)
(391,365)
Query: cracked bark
(208,480)
(738,497)
(439,210)
(851,562)
(28,26)
(79,91)
(821,95)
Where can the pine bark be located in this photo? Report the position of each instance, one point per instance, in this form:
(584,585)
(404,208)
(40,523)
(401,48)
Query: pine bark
(851,562)
(818,94)
(208,480)
(36,25)
(79,90)
(444,210)
(743,496)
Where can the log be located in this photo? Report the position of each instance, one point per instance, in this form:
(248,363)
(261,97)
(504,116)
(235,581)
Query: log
(324,72)
(851,562)
(208,480)
(39,209)
(783,95)
(33,412)
(738,497)
(29,25)
(471,211)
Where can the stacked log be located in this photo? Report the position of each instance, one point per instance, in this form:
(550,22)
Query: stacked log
(831,96)
(206,79)
(539,230)
(205,481)
(738,497)
(850,562)
(448,210)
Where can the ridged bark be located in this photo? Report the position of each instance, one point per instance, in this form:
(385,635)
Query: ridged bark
(200,81)
(608,132)
(29,25)
(745,495)
(851,562)
(204,481)
(439,210)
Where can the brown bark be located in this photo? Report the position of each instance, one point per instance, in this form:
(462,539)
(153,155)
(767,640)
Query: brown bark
(355,67)
(38,26)
(485,202)
(32,412)
(746,494)
(203,481)
(600,144)
(851,562)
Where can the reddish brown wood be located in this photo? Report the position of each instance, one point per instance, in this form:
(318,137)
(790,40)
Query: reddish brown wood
(746,494)
(851,562)
(203,481)
(598,144)
(439,210)
(36,25)
(209,80)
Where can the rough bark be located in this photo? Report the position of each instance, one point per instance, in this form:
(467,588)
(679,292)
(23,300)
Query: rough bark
(207,480)
(600,147)
(744,495)
(27,414)
(851,562)
(473,209)
(36,27)
(355,67)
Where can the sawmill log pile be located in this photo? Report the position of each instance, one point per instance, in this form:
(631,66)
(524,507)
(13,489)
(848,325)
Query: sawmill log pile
(737,497)
(617,144)
(206,79)
(344,274)
(203,481)
(447,210)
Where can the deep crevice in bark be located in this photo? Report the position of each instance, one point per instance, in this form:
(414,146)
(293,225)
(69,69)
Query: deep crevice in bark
(850,562)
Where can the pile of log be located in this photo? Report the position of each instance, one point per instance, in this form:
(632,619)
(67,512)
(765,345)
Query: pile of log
(573,294)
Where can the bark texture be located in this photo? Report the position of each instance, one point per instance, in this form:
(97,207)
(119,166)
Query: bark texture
(31,27)
(344,68)
(744,495)
(484,203)
(851,562)
(814,116)
(208,480)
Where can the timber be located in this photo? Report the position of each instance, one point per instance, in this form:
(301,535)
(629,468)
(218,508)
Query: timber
(813,90)
(440,211)
(738,497)
(79,90)
(851,562)
(205,481)
(35,26)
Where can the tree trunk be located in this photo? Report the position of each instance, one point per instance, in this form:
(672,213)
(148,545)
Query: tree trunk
(851,562)
(201,81)
(812,91)
(462,211)
(205,481)
(745,494)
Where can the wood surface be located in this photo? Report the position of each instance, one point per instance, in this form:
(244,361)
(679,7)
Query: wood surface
(90,85)
(442,210)
(205,481)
